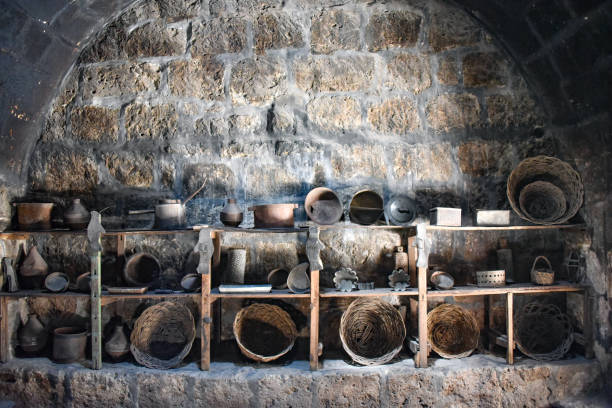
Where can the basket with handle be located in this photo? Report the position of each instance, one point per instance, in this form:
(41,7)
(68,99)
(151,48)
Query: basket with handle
(542,276)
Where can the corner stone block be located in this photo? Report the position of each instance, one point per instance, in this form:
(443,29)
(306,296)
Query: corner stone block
(393,29)
(481,69)
(122,79)
(155,39)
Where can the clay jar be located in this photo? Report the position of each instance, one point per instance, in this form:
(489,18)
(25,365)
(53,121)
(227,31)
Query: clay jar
(76,217)
(231,215)
(118,346)
(33,270)
(33,335)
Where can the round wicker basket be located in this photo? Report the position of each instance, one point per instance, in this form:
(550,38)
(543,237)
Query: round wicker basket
(162,335)
(264,332)
(452,331)
(543,331)
(550,169)
(542,202)
(372,331)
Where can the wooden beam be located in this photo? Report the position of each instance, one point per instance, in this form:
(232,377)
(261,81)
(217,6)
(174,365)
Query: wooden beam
(5,339)
(205,248)
(510,328)
(314,320)
(94,234)
(422,319)
(587,329)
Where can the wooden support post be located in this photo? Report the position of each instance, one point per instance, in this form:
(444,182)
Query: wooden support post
(205,248)
(488,303)
(587,330)
(314,320)
(5,339)
(510,327)
(94,235)
(423,348)
(120,245)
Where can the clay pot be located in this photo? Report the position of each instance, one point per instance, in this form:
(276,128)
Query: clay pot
(118,346)
(273,215)
(231,215)
(323,206)
(83,282)
(34,216)
(76,217)
(57,282)
(33,269)
(32,336)
(278,278)
(69,344)
(141,269)
(442,280)
(298,280)
(191,282)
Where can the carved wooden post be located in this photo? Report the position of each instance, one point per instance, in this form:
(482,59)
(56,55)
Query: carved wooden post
(313,251)
(205,249)
(421,238)
(94,234)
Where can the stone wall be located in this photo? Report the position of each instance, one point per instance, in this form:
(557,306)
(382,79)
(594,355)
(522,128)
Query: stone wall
(264,100)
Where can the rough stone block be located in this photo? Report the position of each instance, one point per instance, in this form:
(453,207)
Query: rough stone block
(95,124)
(480,158)
(120,80)
(484,69)
(335,112)
(408,73)
(156,39)
(424,162)
(453,111)
(324,74)
(202,77)
(270,180)
(151,122)
(452,29)
(508,111)
(410,389)
(220,179)
(397,116)
(333,30)
(285,391)
(219,36)
(359,161)
(348,390)
(91,388)
(274,30)
(222,392)
(109,45)
(130,169)
(258,81)
(162,391)
(55,125)
(62,170)
(248,7)
(392,29)
(447,71)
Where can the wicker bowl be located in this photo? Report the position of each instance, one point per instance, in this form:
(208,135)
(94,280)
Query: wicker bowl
(543,331)
(542,202)
(550,169)
(372,331)
(162,335)
(452,331)
(264,332)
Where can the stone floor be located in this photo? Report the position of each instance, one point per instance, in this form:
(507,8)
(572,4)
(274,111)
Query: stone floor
(482,381)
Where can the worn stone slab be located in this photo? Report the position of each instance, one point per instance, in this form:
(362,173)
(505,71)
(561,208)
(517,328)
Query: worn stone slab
(201,77)
(408,72)
(156,39)
(335,112)
(275,30)
(130,169)
(447,71)
(483,69)
(340,73)
(219,36)
(145,122)
(452,29)
(392,29)
(453,111)
(258,81)
(63,170)
(95,124)
(395,116)
(120,79)
(332,30)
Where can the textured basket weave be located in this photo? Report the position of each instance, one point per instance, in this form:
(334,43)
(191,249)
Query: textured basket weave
(372,331)
(542,202)
(264,332)
(452,331)
(542,276)
(491,278)
(162,335)
(543,331)
(553,170)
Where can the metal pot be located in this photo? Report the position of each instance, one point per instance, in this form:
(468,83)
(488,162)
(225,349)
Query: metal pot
(34,216)
(366,207)
(400,210)
(57,282)
(69,344)
(273,215)
(323,206)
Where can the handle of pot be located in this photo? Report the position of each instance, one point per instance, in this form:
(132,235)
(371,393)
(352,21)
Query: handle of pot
(136,212)
(404,210)
(536,261)
(196,192)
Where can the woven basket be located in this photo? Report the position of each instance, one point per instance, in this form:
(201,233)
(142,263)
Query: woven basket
(264,332)
(452,331)
(491,278)
(162,335)
(542,202)
(543,331)
(553,170)
(372,331)
(542,276)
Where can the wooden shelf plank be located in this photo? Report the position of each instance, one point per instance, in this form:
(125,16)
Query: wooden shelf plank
(42,293)
(504,228)
(376,292)
(520,288)
(275,293)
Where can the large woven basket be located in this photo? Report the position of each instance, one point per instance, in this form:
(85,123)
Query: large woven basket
(264,332)
(543,331)
(550,169)
(452,331)
(162,335)
(542,202)
(372,331)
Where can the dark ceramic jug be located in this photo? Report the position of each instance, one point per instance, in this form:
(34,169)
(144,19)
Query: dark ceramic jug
(231,215)
(76,217)
(118,346)
(32,336)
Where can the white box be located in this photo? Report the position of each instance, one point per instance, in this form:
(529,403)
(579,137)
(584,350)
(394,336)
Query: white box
(450,217)
(493,217)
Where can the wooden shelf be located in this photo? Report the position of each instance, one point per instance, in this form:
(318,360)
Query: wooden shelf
(519,288)
(107,298)
(274,294)
(42,293)
(505,228)
(376,292)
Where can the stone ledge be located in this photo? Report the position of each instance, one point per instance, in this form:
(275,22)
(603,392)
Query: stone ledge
(479,380)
